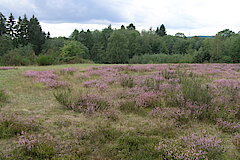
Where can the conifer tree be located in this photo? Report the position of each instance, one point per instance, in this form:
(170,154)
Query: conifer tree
(10,27)
(161,31)
(36,35)
(2,24)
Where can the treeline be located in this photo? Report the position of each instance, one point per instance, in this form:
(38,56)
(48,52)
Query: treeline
(22,42)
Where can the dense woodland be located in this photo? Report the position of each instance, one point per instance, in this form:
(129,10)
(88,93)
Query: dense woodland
(22,42)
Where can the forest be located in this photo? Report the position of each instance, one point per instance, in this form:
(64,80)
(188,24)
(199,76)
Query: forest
(23,42)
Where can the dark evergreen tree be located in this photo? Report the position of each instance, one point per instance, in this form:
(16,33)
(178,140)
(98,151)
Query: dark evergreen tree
(123,27)
(161,31)
(74,35)
(36,35)
(24,35)
(48,35)
(131,26)
(10,27)
(2,24)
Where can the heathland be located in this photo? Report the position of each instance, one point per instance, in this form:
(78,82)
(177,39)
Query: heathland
(166,111)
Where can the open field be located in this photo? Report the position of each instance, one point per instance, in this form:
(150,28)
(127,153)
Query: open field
(166,111)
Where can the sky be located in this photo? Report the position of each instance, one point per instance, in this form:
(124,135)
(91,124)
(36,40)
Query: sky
(191,17)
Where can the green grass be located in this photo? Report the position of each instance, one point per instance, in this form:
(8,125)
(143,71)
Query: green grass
(131,133)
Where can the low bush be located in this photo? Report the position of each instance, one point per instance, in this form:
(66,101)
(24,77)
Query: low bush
(3,97)
(12,124)
(134,147)
(44,60)
(32,146)
(88,103)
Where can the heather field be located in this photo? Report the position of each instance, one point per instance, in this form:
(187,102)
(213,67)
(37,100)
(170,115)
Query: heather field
(103,112)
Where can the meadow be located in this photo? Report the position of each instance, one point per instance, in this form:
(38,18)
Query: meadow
(103,112)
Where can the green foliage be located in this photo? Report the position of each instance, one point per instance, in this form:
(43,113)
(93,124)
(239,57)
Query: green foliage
(73,52)
(64,97)
(161,31)
(44,60)
(36,35)
(12,124)
(34,146)
(6,45)
(3,97)
(135,147)
(19,56)
(194,91)
(117,49)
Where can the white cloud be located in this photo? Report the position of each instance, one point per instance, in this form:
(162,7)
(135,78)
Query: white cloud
(194,17)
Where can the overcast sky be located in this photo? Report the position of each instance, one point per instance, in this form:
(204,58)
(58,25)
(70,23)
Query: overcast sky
(192,17)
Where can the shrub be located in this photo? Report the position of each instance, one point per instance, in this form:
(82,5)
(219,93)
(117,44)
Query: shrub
(11,125)
(19,56)
(191,147)
(3,97)
(135,147)
(64,97)
(44,60)
(37,146)
(193,90)
(127,81)
(89,103)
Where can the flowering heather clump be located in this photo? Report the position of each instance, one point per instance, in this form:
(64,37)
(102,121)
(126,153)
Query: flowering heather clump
(52,83)
(173,150)
(220,83)
(169,112)
(37,146)
(12,124)
(228,126)
(46,77)
(101,86)
(148,99)
(8,68)
(191,147)
(203,142)
(126,81)
(68,71)
(91,103)
(41,74)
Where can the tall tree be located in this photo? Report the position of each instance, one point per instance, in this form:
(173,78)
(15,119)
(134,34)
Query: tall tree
(24,35)
(74,35)
(117,49)
(36,35)
(161,31)
(123,27)
(2,24)
(10,26)
(131,26)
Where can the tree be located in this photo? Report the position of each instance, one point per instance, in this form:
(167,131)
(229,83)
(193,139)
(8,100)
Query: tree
(5,45)
(2,24)
(117,49)
(161,31)
(74,35)
(36,35)
(226,33)
(10,27)
(73,52)
(23,31)
(233,48)
(123,27)
(180,35)
(131,26)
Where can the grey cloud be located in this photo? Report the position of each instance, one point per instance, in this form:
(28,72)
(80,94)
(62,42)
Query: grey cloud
(66,11)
